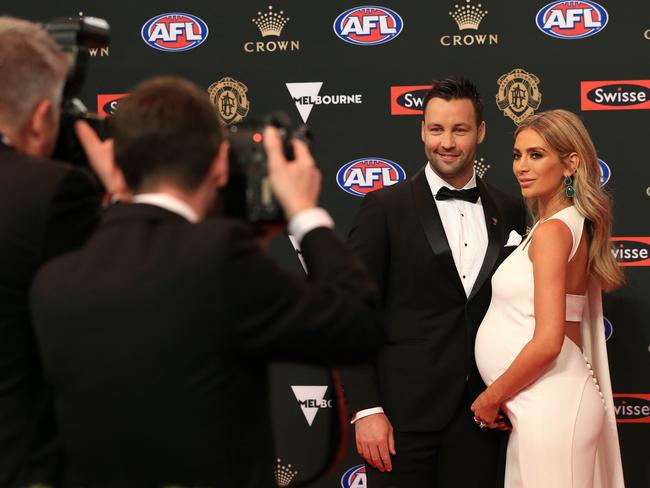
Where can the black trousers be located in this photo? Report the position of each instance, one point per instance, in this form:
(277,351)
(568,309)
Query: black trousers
(460,456)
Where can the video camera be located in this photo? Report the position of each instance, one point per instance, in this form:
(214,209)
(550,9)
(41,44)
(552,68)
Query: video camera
(76,36)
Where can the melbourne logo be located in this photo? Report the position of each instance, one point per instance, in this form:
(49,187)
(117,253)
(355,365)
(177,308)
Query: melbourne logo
(615,95)
(368,25)
(355,477)
(284,474)
(632,408)
(306,95)
(107,104)
(364,175)
(468,17)
(229,98)
(605,172)
(518,96)
(631,251)
(572,20)
(174,32)
(311,399)
(270,24)
(407,100)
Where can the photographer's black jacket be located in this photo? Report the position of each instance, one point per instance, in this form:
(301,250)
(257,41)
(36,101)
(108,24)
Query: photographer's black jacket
(156,336)
(46,208)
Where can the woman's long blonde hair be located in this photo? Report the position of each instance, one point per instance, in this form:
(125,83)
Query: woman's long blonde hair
(565,133)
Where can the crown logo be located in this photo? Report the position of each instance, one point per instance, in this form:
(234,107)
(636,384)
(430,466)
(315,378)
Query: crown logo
(270,23)
(283,474)
(468,16)
(481,167)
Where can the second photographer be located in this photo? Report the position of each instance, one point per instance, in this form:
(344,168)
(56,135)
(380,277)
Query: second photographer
(157,334)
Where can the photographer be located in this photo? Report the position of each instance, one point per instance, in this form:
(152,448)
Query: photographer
(46,208)
(156,335)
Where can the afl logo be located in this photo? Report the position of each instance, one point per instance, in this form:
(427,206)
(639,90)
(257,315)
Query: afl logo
(609,329)
(355,477)
(605,172)
(368,25)
(572,20)
(174,32)
(364,175)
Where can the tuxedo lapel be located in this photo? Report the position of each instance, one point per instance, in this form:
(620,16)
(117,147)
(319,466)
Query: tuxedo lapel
(495,230)
(432,225)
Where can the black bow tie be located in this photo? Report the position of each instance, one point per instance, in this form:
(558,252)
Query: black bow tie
(470,195)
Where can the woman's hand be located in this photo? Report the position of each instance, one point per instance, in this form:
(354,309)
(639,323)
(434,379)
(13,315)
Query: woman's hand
(487,410)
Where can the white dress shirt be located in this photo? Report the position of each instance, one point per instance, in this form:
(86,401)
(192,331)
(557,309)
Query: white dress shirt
(464,224)
(302,223)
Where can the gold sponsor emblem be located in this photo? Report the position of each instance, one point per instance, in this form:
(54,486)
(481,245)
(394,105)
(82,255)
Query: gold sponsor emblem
(283,474)
(518,96)
(481,167)
(229,98)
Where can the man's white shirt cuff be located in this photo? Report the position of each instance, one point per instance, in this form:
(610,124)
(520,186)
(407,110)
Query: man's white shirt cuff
(365,413)
(308,220)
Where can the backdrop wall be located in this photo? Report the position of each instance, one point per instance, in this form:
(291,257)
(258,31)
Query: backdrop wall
(356,75)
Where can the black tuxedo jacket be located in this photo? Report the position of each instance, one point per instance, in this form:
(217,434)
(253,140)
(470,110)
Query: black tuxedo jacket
(156,337)
(421,373)
(45,208)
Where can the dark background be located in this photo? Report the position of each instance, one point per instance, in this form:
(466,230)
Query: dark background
(347,132)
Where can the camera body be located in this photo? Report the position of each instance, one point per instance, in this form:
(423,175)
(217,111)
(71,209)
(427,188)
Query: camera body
(248,193)
(75,36)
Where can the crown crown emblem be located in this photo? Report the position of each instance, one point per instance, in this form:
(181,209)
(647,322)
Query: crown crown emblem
(283,474)
(468,16)
(481,167)
(270,23)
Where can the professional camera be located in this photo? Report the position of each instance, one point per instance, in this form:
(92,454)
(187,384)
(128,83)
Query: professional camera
(248,194)
(76,36)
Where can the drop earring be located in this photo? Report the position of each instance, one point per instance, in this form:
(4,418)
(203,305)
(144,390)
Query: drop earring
(569,190)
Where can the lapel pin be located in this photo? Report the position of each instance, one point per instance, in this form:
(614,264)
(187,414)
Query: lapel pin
(494,221)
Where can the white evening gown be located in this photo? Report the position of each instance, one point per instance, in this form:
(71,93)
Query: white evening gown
(563,424)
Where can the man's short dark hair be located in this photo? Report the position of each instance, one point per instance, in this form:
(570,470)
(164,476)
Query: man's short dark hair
(166,129)
(455,88)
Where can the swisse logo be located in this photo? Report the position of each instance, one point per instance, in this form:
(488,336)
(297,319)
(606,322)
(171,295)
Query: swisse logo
(407,100)
(174,32)
(306,95)
(615,95)
(605,172)
(468,17)
(368,25)
(107,104)
(633,408)
(311,400)
(571,20)
(631,251)
(355,477)
(364,175)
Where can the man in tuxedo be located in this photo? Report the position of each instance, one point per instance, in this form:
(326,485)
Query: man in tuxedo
(432,243)
(46,208)
(156,335)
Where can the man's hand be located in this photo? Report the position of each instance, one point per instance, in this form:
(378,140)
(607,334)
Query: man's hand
(375,442)
(296,184)
(101,159)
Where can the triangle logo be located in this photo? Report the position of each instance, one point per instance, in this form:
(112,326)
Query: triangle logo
(309,398)
(304,95)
